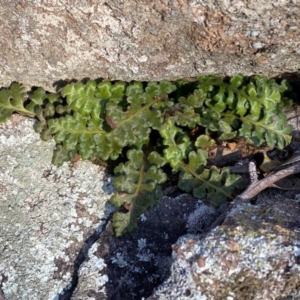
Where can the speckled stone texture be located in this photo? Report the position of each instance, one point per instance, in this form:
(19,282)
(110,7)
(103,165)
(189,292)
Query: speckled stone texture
(44,41)
(255,255)
(131,266)
(46,213)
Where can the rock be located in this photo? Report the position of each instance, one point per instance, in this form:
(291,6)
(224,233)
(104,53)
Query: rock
(47,42)
(48,215)
(56,238)
(131,266)
(254,254)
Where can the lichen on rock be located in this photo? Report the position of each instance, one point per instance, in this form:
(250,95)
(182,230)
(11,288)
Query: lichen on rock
(254,254)
(46,213)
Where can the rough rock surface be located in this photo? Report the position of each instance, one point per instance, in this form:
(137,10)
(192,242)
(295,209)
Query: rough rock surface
(133,265)
(46,213)
(255,254)
(55,238)
(47,41)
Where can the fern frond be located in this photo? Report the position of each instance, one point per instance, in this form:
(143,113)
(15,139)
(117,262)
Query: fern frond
(137,184)
(84,135)
(12,100)
(215,185)
(245,108)
(177,142)
(143,112)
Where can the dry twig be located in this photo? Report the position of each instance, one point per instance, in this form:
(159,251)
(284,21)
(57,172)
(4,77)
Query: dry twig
(256,187)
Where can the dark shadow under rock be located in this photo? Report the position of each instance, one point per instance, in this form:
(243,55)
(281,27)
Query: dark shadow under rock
(139,262)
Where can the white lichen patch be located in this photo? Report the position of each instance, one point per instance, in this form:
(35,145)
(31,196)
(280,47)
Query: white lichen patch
(120,260)
(91,276)
(46,213)
(201,218)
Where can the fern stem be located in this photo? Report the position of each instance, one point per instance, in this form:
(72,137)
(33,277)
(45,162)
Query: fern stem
(87,131)
(140,181)
(20,111)
(143,108)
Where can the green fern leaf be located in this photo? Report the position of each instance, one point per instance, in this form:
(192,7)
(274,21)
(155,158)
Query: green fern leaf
(81,97)
(237,80)
(242,105)
(114,92)
(156,159)
(217,102)
(213,184)
(103,90)
(273,133)
(137,184)
(45,106)
(177,144)
(40,98)
(84,135)
(204,141)
(246,129)
(12,100)
(217,185)
(186,114)
(267,90)
(160,88)
(128,129)
(194,100)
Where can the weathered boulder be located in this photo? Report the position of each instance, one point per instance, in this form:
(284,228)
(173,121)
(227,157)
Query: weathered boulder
(255,254)
(47,41)
(49,216)
(57,241)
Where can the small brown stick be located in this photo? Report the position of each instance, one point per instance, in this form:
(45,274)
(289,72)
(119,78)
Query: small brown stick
(256,187)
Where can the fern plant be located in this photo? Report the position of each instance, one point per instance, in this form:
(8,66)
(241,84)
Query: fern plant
(150,123)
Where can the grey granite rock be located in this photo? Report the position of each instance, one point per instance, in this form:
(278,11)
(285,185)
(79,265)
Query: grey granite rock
(45,41)
(254,254)
(46,213)
(56,240)
(131,266)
